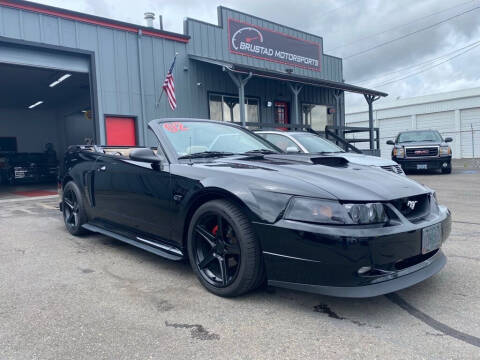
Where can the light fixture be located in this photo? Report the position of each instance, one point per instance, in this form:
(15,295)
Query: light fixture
(60,79)
(36,104)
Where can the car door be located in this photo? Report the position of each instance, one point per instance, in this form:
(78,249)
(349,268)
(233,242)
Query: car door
(133,195)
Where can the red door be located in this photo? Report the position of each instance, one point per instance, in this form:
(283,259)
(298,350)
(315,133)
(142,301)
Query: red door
(120,131)
(281,113)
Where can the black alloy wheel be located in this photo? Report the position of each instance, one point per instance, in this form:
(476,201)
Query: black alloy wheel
(217,252)
(223,250)
(73,212)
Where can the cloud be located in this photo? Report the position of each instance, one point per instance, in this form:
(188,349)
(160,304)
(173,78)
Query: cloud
(344,22)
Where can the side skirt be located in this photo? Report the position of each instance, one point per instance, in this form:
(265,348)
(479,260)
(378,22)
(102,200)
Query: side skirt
(163,250)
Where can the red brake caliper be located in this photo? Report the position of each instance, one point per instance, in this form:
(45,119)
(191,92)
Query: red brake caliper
(214,230)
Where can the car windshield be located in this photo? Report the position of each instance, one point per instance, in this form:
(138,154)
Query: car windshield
(200,138)
(419,136)
(315,144)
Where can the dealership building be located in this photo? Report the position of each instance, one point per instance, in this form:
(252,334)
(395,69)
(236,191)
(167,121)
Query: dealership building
(72,78)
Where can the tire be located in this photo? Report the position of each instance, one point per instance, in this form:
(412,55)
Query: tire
(243,271)
(73,209)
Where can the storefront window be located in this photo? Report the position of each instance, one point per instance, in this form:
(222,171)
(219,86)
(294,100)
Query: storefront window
(226,108)
(316,116)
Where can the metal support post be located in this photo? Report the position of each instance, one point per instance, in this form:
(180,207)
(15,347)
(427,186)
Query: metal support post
(240,82)
(295,88)
(370,99)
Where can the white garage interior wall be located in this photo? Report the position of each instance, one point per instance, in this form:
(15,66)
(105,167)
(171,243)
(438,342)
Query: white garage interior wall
(453,114)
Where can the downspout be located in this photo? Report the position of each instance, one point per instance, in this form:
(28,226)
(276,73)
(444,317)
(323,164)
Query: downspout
(142,127)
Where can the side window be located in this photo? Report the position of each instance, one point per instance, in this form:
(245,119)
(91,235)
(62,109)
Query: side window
(282,142)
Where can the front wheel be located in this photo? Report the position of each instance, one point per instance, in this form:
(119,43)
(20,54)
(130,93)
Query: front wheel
(447,170)
(223,250)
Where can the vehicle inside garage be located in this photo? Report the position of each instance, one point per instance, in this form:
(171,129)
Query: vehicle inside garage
(42,111)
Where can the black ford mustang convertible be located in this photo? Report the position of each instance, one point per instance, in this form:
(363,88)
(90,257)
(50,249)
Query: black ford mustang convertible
(244,213)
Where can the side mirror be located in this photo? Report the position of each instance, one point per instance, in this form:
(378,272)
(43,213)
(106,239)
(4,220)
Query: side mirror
(292,149)
(390,142)
(448,139)
(145,155)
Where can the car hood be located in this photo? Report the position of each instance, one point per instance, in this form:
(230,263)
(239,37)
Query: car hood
(367,160)
(308,175)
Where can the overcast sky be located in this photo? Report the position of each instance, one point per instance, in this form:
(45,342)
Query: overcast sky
(349,27)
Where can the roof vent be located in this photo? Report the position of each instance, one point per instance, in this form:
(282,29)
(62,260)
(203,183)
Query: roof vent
(149,17)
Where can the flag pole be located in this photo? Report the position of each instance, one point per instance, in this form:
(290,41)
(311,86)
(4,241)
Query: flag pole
(163,89)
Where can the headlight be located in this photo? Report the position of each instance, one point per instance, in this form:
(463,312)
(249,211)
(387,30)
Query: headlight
(445,150)
(399,152)
(332,212)
(371,213)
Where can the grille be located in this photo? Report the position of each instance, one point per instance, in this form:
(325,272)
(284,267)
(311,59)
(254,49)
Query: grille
(421,152)
(421,206)
(396,169)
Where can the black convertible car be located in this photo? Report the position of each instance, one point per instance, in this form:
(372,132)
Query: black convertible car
(244,213)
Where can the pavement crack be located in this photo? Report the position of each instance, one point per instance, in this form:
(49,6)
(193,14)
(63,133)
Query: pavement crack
(196,331)
(435,324)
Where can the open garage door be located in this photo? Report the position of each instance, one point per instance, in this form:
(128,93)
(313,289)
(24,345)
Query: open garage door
(45,106)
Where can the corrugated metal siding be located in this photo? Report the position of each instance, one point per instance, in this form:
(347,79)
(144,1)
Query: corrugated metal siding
(211,41)
(117,65)
(442,121)
(470,118)
(116,59)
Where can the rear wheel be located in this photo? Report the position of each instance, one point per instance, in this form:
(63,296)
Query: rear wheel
(223,250)
(73,210)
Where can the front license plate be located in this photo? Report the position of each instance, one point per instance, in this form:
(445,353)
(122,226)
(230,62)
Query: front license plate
(422,167)
(431,238)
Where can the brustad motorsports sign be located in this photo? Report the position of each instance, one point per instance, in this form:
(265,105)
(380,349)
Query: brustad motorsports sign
(254,41)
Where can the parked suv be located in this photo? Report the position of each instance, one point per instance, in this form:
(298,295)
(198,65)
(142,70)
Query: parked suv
(422,150)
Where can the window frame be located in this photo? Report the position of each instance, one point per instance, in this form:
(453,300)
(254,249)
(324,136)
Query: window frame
(223,94)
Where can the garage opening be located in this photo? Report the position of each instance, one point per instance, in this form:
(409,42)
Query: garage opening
(43,110)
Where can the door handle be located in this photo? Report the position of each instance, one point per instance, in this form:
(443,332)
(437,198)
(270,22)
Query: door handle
(103,168)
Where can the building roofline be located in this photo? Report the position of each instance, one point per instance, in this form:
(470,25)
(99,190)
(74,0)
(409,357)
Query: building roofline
(276,75)
(92,19)
(418,100)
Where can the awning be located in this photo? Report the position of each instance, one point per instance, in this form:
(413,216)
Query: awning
(275,75)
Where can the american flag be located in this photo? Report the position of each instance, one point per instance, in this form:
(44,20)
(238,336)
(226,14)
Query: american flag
(169,86)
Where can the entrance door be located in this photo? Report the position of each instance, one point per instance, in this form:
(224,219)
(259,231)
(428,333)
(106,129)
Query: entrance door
(281,115)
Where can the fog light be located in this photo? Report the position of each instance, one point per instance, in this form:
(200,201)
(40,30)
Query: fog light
(445,165)
(364,270)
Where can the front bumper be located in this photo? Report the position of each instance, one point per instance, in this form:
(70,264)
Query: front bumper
(326,259)
(433,163)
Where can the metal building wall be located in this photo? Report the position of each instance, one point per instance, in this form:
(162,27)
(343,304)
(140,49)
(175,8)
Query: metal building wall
(120,57)
(117,62)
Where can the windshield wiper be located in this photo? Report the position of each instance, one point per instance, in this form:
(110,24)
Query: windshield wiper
(205,154)
(260,151)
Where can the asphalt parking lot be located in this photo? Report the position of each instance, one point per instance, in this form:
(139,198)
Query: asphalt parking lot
(96,298)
